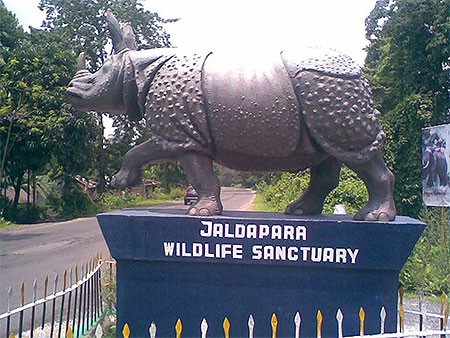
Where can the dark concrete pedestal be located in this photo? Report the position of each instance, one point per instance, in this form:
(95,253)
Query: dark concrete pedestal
(172,266)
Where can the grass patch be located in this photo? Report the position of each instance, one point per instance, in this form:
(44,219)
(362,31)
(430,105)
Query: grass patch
(4,224)
(259,204)
(148,203)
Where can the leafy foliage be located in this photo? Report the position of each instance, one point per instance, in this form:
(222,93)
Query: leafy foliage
(351,192)
(407,62)
(428,268)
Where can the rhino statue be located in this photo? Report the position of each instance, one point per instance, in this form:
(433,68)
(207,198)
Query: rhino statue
(288,111)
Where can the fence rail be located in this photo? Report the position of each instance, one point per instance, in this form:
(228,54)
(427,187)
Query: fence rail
(76,309)
(441,330)
(77,305)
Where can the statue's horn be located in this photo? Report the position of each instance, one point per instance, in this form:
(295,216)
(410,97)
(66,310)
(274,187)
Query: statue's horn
(81,62)
(116,33)
(129,37)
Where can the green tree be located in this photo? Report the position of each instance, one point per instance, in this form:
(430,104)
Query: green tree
(83,25)
(407,61)
(35,121)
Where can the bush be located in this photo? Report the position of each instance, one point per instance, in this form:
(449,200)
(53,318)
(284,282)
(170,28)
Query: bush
(118,200)
(4,223)
(351,192)
(428,267)
(24,214)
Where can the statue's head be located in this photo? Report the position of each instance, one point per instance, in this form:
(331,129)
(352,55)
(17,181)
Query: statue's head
(104,90)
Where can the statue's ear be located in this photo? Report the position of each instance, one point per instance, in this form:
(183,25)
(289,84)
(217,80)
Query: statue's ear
(135,108)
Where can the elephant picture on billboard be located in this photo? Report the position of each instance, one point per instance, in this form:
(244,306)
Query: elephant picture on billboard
(436,166)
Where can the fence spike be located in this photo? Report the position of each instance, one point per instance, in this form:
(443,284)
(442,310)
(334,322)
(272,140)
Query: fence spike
(55,284)
(362,320)
(69,333)
(274,323)
(204,327)
(71,276)
(382,320)
(22,294)
(126,331)
(319,324)
(99,331)
(251,326)
(401,316)
(443,299)
(340,320)
(297,322)
(9,298)
(152,330)
(178,328)
(226,327)
(46,287)
(34,290)
(446,314)
(65,280)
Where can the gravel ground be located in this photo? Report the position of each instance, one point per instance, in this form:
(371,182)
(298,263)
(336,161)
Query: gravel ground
(412,320)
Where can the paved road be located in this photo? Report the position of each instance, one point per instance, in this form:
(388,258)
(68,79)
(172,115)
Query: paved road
(36,251)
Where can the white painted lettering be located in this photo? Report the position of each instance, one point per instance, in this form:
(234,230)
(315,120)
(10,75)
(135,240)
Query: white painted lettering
(208,253)
(252,231)
(328,255)
(197,250)
(208,231)
(305,251)
(228,234)
(268,251)
(292,253)
(217,230)
(277,232)
(240,230)
(264,230)
(353,254)
(280,253)
(288,232)
(316,254)
(168,248)
(257,252)
(300,233)
(341,255)
(238,251)
(184,251)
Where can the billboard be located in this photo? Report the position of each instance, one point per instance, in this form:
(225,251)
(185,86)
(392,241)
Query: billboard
(436,165)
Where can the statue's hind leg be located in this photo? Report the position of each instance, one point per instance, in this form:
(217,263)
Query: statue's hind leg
(379,181)
(199,171)
(324,178)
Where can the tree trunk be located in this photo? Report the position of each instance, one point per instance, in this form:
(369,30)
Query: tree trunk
(101,158)
(17,191)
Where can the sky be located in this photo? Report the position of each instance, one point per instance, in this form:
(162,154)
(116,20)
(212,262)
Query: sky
(249,24)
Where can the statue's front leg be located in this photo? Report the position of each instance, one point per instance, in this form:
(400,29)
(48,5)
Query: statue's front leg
(199,172)
(130,173)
